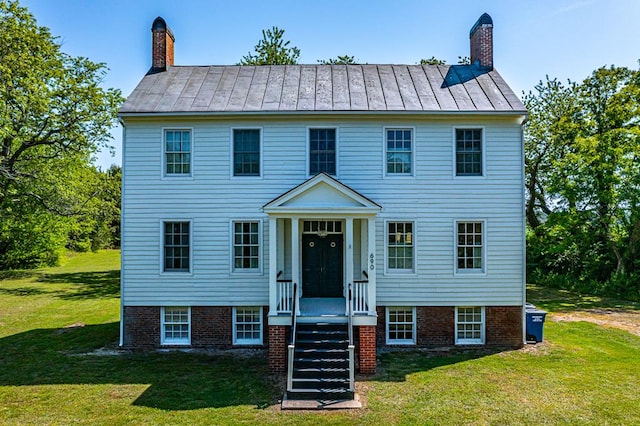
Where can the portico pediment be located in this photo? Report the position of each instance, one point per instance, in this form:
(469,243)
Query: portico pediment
(322,194)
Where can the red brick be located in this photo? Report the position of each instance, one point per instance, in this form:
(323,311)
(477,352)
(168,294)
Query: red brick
(162,42)
(481,45)
(436,326)
(504,326)
(141,327)
(211,327)
(367,349)
(278,348)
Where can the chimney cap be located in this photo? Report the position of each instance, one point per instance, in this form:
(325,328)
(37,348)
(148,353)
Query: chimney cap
(159,24)
(485,19)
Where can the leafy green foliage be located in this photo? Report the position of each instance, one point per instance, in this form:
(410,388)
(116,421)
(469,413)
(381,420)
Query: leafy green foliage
(272,50)
(99,225)
(54,117)
(340,60)
(432,61)
(462,60)
(582,148)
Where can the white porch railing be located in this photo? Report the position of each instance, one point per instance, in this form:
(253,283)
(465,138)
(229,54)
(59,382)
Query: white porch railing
(360,296)
(284,294)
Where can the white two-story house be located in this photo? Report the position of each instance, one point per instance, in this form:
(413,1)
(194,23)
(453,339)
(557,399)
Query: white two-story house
(387,198)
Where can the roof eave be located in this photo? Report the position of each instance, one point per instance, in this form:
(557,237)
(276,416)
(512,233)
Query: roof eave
(235,114)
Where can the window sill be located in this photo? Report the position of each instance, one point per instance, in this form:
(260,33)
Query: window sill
(176,273)
(400,343)
(469,343)
(176,177)
(255,272)
(470,272)
(400,273)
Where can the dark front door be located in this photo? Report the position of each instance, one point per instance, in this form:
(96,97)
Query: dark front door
(322,265)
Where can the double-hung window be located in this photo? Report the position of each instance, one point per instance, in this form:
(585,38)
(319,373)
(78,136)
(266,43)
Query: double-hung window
(176,321)
(177,151)
(469,325)
(247,325)
(246,246)
(399,151)
(176,245)
(468,152)
(400,247)
(469,247)
(246,152)
(401,325)
(322,151)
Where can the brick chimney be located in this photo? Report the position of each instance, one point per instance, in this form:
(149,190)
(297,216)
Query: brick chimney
(481,41)
(161,46)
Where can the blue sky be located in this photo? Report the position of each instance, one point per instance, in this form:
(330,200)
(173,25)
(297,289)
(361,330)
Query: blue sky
(566,39)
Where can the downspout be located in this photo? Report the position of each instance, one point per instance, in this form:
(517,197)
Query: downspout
(524,236)
(124,138)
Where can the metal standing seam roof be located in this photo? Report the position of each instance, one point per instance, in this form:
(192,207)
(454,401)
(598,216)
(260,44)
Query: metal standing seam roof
(328,88)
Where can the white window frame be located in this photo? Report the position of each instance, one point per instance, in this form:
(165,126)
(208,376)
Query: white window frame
(163,171)
(385,148)
(390,341)
(232,152)
(470,271)
(483,326)
(174,342)
(232,267)
(393,271)
(483,146)
(162,244)
(236,340)
(308,149)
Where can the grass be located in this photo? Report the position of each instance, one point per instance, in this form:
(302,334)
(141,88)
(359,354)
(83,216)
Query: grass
(52,320)
(555,300)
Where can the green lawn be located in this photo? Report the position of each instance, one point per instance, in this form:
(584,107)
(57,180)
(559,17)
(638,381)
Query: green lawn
(52,320)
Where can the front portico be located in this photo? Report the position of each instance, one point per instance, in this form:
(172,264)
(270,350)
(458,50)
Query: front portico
(325,244)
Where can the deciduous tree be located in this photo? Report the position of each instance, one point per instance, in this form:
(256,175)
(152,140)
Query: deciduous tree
(54,116)
(582,145)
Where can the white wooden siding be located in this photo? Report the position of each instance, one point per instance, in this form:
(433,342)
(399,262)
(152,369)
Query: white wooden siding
(433,198)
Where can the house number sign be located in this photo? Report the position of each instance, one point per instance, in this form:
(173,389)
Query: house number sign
(372,261)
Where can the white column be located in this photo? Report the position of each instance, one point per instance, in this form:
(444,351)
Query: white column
(372,265)
(364,248)
(281,244)
(348,258)
(273,266)
(295,258)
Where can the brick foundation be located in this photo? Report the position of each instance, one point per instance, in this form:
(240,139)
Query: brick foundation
(367,349)
(141,327)
(211,327)
(504,325)
(436,326)
(277,348)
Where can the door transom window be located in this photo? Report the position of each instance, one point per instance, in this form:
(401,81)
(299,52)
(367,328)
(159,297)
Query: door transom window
(322,227)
